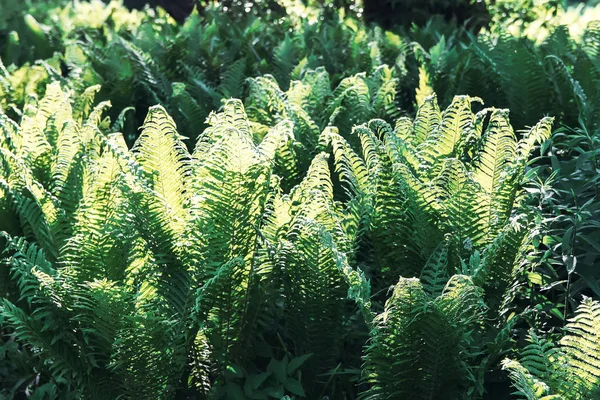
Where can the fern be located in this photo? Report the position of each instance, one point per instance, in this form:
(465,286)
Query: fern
(420,344)
(563,370)
(260,263)
(425,192)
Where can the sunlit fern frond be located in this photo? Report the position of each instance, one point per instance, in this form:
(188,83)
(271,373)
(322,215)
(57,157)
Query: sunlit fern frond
(447,139)
(266,101)
(83,104)
(103,229)
(494,176)
(566,370)
(462,205)
(164,162)
(581,347)
(162,216)
(32,204)
(229,184)
(320,92)
(384,85)
(426,122)
(38,282)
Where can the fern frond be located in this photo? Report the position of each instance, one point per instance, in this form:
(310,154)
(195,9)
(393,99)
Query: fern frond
(266,101)
(383,87)
(284,61)
(435,272)
(427,120)
(84,102)
(581,347)
(352,170)
(220,302)
(448,138)
(36,209)
(232,82)
(188,109)
(493,173)
(102,229)
(231,182)
(163,158)
(314,291)
(65,362)
(526,384)
(462,204)
(351,104)
(318,81)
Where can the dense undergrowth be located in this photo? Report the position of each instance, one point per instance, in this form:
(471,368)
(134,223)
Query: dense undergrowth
(290,201)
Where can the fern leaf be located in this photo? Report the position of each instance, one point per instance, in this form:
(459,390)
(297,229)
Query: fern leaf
(447,138)
(435,274)
(163,158)
(581,346)
(494,173)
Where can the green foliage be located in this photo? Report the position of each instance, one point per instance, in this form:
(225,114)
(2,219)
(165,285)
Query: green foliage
(167,247)
(566,370)
(141,61)
(451,175)
(421,345)
(130,258)
(323,236)
(557,77)
(312,105)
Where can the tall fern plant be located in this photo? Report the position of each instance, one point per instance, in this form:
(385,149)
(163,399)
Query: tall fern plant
(557,77)
(437,205)
(422,345)
(154,271)
(450,176)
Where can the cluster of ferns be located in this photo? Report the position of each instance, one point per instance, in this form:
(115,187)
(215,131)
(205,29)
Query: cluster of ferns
(276,258)
(322,237)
